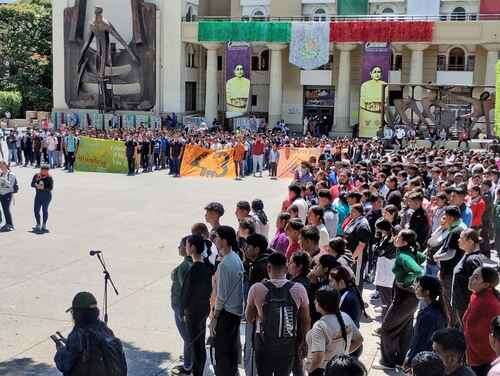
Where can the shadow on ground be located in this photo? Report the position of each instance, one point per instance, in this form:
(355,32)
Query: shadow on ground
(26,367)
(140,363)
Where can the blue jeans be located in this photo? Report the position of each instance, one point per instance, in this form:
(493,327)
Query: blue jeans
(248,351)
(183,331)
(52,158)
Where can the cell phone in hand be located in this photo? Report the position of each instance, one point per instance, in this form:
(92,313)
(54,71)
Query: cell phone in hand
(55,339)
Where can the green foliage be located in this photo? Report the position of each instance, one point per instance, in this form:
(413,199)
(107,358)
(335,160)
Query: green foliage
(26,52)
(10,101)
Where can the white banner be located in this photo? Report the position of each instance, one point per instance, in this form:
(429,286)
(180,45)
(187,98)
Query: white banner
(310,44)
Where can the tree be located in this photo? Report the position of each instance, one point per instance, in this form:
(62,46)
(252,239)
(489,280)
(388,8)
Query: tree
(26,52)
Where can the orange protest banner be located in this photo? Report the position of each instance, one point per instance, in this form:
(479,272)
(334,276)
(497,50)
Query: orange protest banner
(198,161)
(290,159)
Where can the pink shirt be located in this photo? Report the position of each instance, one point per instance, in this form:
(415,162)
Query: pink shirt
(258,292)
(495,368)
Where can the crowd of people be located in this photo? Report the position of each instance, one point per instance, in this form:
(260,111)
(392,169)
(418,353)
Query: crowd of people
(419,226)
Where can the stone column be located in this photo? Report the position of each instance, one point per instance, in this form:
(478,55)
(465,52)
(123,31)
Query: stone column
(211,92)
(172,53)
(342,122)
(417,66)
(276,84)
(491,62)
(58,84)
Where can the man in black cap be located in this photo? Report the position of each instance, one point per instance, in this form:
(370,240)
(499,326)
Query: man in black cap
(91,348)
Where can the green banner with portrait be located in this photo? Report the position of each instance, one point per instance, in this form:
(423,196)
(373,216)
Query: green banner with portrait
(244,31)
(96,155)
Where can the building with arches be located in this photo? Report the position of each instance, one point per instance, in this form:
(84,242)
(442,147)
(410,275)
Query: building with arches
(463,51)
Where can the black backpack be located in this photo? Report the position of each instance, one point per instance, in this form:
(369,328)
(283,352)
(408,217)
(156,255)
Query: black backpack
(102,355)
(279,324)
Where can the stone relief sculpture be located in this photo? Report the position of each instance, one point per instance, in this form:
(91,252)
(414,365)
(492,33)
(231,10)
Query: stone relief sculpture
(106,76)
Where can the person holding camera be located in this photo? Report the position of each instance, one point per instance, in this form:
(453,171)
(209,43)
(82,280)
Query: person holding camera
(43,183)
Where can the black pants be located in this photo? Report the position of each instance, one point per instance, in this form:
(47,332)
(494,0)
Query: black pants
(28,157)
(273,169)
(196,326)
(144,162)
(5,201)
(42,201)
(71,160)
(131,164)
(38,157)
(272,363)
(226,344)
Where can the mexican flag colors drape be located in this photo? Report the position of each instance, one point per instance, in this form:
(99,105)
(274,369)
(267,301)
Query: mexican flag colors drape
(244,31)
(381,31)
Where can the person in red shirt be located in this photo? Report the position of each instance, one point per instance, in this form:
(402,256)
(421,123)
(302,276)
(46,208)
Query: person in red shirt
(477,207)
(343,185)
(258,156)
(293,233)
(484,305)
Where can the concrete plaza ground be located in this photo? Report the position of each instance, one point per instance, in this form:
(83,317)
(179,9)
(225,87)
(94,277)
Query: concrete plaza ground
(137,222)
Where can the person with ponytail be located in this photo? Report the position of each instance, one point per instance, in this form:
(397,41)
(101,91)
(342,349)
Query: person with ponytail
(351,302)
(484,305)
(260,217)
(430,317)
(335,333)
(397,327)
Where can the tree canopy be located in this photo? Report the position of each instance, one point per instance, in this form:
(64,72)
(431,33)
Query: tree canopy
(26,52)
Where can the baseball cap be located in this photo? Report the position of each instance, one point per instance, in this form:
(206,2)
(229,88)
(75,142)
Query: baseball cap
(215,207)
(83,300)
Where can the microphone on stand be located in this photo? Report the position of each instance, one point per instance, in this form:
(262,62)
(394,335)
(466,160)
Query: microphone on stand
(93,253)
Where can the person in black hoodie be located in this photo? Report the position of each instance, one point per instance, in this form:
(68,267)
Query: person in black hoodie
(195,300)
(419,222)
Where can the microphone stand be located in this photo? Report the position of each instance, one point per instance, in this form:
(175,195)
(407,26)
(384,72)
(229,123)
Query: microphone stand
(107,279)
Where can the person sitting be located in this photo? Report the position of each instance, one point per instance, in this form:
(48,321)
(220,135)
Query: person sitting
(449,344)
(427,363)
(335,333)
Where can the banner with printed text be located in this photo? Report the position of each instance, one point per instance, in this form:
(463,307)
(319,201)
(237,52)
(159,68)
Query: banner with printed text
(96,155)
(290,159)
(198,161)
(497,102)
(375,74)
(238,57)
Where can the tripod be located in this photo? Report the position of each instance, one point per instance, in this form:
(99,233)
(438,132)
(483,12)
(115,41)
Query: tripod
(107,279)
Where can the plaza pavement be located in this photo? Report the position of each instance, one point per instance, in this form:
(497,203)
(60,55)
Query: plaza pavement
(137,222)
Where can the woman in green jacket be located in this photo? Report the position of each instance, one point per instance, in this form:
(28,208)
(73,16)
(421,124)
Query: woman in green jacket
(397,327)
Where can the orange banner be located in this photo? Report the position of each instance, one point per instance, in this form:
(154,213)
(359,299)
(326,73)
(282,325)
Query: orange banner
(198,161)
(290,159)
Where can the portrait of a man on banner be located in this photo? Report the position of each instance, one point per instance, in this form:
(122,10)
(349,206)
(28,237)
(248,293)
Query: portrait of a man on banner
(237,79)
(376,61)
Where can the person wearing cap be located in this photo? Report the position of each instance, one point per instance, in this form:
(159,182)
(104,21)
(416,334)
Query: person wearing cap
(43,184)
(72,356)
(242,210)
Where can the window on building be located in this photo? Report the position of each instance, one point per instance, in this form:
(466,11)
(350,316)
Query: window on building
(190,96)
(388,11)
(219,63)
(396,62)
(471,63)
(254,100)
(320,14)
(456,59)
(264,60)
(189,14)
(255,63)
(441,62)
(258,15)
(458,14)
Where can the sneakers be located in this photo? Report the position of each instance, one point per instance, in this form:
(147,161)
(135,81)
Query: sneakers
(180,370)
(6,228)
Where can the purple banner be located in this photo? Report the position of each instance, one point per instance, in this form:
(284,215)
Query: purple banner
(237,75)
(374,74)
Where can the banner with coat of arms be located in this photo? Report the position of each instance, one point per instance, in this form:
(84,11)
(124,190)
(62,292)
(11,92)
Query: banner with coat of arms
(310,44)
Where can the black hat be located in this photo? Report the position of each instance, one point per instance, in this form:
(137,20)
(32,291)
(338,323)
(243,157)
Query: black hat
(83,300)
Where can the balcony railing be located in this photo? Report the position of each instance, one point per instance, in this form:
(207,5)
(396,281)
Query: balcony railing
(448,17)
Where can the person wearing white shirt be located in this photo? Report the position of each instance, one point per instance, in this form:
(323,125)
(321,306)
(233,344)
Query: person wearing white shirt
(315,218)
